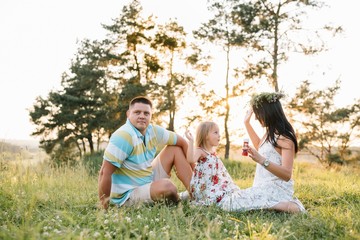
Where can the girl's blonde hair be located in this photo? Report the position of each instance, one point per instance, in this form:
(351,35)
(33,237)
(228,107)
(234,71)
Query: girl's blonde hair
(202,131)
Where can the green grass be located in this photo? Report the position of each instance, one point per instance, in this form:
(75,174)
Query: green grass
(39,202)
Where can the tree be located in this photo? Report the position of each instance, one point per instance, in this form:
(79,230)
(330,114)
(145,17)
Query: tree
(143,58)
(324,130)
(349,117)
(277,29)
(220,31)
(128,63)
(266,32)
(170,47)
(105,76)
(71,115)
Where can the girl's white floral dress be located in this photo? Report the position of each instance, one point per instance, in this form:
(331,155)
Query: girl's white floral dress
(211,181)
(212,184)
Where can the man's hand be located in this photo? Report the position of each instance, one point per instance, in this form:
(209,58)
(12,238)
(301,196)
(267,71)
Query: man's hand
(104,201)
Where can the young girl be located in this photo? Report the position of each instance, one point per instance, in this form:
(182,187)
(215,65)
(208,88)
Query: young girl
(211,181)
(273,187)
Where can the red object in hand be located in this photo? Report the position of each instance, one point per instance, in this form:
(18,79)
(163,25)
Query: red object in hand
(245,147)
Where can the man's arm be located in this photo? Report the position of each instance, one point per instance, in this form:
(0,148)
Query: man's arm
(104,183)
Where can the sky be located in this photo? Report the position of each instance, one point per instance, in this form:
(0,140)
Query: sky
(39,38)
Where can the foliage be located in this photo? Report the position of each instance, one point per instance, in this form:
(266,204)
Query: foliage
(39,202)
(92,162)
(334,158)
(172,82)
(73,114)
(275,30)
(264,33)
(63,155)
(323,125)
(8,147)
(220,31)
(128,64)
(141,57)
(134,59)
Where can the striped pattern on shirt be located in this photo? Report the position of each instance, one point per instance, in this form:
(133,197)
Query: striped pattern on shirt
(126,150)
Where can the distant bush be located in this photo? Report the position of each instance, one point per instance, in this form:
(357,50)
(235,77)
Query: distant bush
(334,158)
(92,162)
(7,147)
(62,156)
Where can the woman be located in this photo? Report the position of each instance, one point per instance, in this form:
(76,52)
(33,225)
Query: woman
(274,153)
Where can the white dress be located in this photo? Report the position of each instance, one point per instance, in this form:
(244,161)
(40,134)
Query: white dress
(212,184)
(267,190)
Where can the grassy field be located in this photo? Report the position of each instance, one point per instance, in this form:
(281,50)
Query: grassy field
(39,202)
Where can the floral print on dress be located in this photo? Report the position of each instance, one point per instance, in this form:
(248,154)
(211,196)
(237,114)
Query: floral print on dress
(210,181)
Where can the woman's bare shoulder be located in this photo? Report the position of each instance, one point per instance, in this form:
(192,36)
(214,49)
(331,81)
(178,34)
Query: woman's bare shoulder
(284,142)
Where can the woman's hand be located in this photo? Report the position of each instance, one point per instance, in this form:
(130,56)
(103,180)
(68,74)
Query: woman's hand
(255,155)
(248,115)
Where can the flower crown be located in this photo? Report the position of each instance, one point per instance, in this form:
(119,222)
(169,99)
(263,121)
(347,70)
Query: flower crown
(270,97)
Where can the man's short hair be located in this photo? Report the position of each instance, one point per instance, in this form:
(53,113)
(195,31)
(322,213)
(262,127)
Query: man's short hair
(140,99)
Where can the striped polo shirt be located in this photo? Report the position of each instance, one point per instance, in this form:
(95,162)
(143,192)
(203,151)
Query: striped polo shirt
(132,157)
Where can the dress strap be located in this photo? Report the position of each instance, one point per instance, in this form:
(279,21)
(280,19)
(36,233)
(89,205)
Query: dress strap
(205,151)
(263,140)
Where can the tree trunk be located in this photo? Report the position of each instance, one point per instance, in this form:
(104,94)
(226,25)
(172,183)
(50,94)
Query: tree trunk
(91,143)
(274,75)
(227,145)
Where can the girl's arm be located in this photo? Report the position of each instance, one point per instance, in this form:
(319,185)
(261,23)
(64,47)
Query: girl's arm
(192,154)
(250,130)
(287,151)
(190,151)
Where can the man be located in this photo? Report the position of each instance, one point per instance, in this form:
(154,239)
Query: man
(130,174)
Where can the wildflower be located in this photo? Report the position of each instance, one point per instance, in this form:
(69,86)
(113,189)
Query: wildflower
(128,219)
(96,234)
(108,235)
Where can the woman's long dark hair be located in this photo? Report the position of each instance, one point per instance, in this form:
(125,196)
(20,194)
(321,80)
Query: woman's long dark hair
(272,116)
